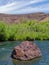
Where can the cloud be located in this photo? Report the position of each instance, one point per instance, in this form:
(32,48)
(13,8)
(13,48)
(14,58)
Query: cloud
(43,8)
(22,6)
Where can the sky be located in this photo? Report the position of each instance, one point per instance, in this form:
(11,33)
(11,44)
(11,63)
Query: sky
(24,6)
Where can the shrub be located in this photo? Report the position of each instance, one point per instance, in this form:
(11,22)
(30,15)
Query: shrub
(30,30)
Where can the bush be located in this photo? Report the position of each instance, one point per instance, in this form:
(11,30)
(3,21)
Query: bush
(30,30)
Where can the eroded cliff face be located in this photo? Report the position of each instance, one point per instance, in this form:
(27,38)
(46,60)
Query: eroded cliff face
(26,51)
(17,18)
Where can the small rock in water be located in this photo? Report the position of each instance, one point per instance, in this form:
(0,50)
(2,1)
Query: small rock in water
(26,51)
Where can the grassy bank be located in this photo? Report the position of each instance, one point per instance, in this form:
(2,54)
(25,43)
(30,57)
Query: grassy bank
(30,30)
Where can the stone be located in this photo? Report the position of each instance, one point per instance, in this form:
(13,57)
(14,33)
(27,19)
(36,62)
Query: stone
(26,51)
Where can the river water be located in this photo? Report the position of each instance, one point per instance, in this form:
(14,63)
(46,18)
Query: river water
(7,47)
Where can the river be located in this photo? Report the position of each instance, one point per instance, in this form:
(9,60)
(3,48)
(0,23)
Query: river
(7,47)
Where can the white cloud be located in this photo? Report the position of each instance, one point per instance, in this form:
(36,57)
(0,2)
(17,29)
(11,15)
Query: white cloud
(42,8)
(19,7)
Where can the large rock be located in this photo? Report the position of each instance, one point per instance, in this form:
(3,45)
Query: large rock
(26,51)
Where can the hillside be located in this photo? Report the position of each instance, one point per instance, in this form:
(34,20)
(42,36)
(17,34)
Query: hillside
(17,18)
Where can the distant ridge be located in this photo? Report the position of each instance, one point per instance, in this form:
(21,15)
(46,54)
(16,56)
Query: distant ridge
(10,18)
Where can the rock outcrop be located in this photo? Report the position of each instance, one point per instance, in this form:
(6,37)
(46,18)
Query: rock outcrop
(26,51)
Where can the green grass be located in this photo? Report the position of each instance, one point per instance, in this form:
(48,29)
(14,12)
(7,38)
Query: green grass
(30,30)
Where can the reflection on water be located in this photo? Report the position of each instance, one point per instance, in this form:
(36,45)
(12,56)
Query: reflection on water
(7,47)
(31,62)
